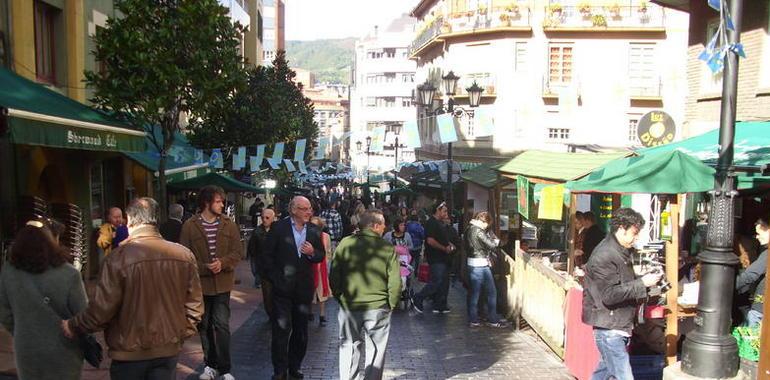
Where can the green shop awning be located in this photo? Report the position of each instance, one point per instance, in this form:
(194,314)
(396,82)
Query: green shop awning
(483,175)
(556,166)
(181,155)
(671,172)
(40,116)
(226,183)
(751,148)
(405,191)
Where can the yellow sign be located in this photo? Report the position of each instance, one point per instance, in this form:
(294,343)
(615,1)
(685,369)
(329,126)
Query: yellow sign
(551,203)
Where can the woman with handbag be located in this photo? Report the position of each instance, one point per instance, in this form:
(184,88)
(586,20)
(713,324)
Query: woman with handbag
(38,288)
(481,248)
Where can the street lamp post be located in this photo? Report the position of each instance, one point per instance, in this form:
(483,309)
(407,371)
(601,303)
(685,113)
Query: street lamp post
(710,351)
(368,154)
(426,92)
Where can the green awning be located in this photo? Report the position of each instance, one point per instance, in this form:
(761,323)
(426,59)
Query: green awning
(671,172)
(556,166)
(40,116)
(181,155)
(751,147)
(483,175)
(400,191)
(226,183)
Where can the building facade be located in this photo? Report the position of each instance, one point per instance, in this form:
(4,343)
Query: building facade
(383,82)
(704,90)
(332,114)
(274,22)
(556,75)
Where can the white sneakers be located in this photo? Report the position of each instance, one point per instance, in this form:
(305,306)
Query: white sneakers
(227,376)
(208,374)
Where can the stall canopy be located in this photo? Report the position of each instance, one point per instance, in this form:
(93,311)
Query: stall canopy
(483,175)
(751,147)
(226,183)
(556,166)
(405,191)
(40,116)
(667,172)
(181,155)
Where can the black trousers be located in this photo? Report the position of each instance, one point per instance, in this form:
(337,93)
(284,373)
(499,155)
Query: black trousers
(215,332)
(289,341)
(152,369)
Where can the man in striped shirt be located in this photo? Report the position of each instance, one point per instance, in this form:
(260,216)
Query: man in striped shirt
(216,242)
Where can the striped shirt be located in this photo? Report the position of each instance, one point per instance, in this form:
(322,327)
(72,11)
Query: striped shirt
(211,235)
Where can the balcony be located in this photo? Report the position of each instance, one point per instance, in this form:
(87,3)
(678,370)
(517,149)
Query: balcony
(480,21)
(486,81)
(553,89)
(645,89)
(605,19)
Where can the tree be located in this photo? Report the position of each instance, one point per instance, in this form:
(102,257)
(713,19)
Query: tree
(271,108)
(163,59)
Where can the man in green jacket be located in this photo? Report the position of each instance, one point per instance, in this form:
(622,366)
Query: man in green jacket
(365,278)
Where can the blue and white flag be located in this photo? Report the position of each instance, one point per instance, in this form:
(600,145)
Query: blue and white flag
(274,163)
(483,124)
(216,161)
(278,151)
(198,156)
(446,128)
(289,165)
(320,150)
(258,158)
(302,167)
(412,134)
(254,163)
(299,150)
(239,159)
(378,139)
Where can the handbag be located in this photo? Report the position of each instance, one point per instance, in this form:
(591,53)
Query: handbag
(423,272)
(93,352)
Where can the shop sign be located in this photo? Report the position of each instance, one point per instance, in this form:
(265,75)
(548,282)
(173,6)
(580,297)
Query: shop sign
(656,128)
(35,132)
(92,139)
(522,189)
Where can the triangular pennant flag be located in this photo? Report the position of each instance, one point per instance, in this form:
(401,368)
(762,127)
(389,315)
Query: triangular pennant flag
(259,157)
(320,150)
(198,156)
(254,163)
(446,128)
(289,165)
(302,167)
(716,4)
(299,150)
(278,151)
(239,159)
(274,163)
(483,125)
(216,161)
(412,134)
(378,139)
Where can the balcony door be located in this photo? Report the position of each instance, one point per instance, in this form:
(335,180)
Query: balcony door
(642,74)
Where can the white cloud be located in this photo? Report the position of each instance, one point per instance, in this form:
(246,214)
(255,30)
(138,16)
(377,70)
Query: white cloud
(317,19)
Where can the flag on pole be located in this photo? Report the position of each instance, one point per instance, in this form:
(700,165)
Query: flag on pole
(446,128)
(299,150)
(412,134)
(378,139)
(278,151)
(289,165)
(216,160)
(483,125)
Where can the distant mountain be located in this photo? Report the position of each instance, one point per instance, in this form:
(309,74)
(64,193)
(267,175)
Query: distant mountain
(329,60)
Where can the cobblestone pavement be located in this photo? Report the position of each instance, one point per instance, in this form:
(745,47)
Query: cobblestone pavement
(428,346)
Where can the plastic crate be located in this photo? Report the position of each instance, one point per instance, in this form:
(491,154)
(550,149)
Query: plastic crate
(648,367)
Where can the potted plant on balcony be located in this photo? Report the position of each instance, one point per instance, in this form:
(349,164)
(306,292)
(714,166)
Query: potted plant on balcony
(446,27)
(505,19)
(585,9)
(643,7)
(513,8)
(555,10)
(614,10)
(598,21)
(482,9)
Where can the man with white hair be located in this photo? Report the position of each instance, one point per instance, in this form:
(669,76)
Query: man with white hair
(172,228)
(291,246)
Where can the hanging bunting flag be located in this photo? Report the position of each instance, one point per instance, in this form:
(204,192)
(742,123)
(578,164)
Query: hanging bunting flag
(239,159)
(446,128)
(378,139)
(320,150)
(254,163)
(289,165)
(718,47)
(274,163)
(259,157)
(483,125)
(198,156)
(302,167)
(299,150)
(278,151)
(412,134)
(216,161)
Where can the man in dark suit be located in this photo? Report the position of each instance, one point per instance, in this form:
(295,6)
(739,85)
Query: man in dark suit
(291,246)
(172,228)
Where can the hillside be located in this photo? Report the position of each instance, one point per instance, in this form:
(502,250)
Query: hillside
(329,60)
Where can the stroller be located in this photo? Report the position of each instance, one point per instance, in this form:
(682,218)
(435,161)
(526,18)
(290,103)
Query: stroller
(405,260)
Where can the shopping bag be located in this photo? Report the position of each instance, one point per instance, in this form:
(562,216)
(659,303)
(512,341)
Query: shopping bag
(423,272)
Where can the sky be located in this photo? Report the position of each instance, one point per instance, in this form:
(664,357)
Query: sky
(321,19)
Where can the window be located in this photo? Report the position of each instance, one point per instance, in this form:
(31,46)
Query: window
(45,42)
(390,53)
(558,134)
(406,102)
(521,56)
(374,54)
(390,77)
(633,124)
(641,70)
(560,63)
(407,77)
(370,102)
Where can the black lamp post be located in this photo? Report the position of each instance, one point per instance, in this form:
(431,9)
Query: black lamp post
(368,154)
(710,351)
(396,146)
(426,93)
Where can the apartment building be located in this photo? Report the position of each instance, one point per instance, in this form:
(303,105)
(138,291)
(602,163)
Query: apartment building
(556,75)
(274,35)
(332,114)
(704,90)
(383,81)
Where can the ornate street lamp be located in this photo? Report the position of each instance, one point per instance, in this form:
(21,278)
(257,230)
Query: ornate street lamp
(425,94)
(450,83)
(474,94)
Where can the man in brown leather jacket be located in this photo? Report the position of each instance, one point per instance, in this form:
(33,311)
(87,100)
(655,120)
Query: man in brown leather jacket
(148,300)
(215,240)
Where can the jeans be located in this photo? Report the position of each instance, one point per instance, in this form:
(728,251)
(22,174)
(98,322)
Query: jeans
(215,332)
(255,271)
(753,318)
(438,286)
(151,369)
(289,340)
(370,327)
(614,362)
(481,277)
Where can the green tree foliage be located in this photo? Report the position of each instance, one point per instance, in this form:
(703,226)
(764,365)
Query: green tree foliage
(166,58)
(270,109)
